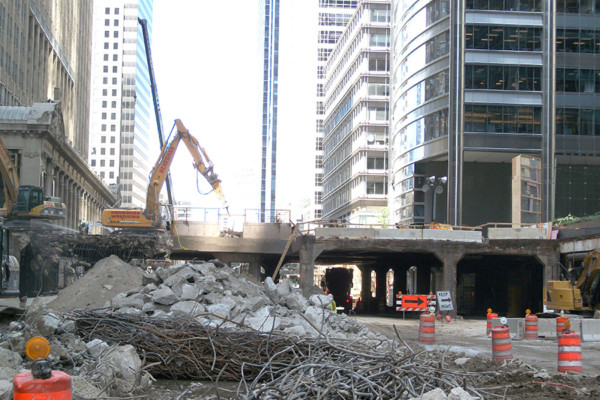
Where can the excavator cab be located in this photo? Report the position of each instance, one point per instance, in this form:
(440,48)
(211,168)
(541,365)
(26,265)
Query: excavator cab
(32,203)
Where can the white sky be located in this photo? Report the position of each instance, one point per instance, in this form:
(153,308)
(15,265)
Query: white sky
(206,60)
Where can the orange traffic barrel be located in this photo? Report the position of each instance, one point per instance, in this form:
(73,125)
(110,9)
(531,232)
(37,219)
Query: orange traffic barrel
(57,387)
(501,345)
(490,317)
(427,329)
(560,324)
(531,327)
(569,352)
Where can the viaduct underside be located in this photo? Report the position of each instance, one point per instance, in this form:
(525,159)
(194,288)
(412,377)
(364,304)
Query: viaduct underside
(507,275)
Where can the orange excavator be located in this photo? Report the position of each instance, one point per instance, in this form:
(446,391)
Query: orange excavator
(151,216)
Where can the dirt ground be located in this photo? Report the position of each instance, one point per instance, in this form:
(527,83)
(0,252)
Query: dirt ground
(522,378)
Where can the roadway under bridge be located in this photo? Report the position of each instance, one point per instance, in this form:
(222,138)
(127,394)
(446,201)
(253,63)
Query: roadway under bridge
(506,270)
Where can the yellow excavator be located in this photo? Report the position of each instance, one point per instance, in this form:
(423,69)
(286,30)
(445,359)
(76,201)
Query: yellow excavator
(151,217)
(25,202)
(580,291)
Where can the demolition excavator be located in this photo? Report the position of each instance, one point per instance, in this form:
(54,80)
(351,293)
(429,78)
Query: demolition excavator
(152,217)
(579,291)
(26,201)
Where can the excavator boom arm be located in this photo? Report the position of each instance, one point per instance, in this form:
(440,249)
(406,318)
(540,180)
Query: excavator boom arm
(202,162)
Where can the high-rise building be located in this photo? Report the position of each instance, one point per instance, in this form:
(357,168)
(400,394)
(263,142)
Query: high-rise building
(476,83)
(356,117)
(121,101)
(333,16)
(45,55)
(269,38)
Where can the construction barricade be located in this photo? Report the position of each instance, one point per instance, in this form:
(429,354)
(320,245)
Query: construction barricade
(560,324)
(501,344)
(490,317)
(531,327)
(427,329)
(569,352)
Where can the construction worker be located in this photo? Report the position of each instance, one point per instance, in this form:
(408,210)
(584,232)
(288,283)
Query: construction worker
(84,227)
(332,305)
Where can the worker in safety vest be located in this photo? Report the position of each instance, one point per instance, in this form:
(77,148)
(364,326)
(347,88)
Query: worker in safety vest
(332,304)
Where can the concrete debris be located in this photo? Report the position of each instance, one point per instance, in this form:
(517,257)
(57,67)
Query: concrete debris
(120,370)
(96,347)
(211,293)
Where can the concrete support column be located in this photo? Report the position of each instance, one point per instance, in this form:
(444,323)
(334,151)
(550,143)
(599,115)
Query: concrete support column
(450,259)
(48,175)
(307,254)
(380,286)
(400,279)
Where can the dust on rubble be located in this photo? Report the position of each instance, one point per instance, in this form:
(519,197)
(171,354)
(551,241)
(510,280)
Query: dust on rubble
(108,277)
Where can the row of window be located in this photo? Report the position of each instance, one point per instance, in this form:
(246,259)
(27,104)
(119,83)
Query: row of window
(502,77)
(107,22)
(333,19)
(434,86)
(424,54)
(575,121)
(505,5)
(502,119)
(434,11)
(577,41)
(102,163)
(495,37)
(420,131)
(107,11)
(562,6)
(338,3)
(578,80)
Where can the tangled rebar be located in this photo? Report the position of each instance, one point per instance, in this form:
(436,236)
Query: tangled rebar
(273,366)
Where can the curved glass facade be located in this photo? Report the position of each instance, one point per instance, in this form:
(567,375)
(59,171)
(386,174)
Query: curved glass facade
(420,88)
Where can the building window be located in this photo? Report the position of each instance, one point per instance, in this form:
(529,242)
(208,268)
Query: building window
(114,81)
(112,138)
(116,11)
(112,151)
(113,115)
(93,162)
(103,139)
(103,115)
(106,34)
(106,22)
(114,69)
(114,92)
(113,128)
(103,127)
(103,104)
(111,174)
(116,34)
(104,92)
(106,46)
(116,22)
(106,57)
(102,151)
(105,69)
(374,187)
(107,10)
(115,57)
(115,46)
(111,163)
(102,163)
(113,104)
(376,163)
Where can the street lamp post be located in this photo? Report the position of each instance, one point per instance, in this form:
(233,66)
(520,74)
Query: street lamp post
(436,184)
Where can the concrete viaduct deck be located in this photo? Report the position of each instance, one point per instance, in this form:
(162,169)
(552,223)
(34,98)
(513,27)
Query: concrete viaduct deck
(506,270)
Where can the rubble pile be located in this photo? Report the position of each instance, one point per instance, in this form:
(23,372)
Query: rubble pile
(118,328)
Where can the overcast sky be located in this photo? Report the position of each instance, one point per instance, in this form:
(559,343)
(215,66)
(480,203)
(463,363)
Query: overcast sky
(208,72)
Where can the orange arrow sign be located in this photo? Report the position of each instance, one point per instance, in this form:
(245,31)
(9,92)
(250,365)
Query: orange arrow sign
(415,301)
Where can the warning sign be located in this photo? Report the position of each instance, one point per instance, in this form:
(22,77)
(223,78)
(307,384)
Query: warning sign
(414,301)
(445,301)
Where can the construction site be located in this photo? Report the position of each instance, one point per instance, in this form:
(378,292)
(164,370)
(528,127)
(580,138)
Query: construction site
(160,315)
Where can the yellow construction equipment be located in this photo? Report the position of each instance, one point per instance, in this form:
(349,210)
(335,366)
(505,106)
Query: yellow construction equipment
(151,217)
(580,292)
(25,201)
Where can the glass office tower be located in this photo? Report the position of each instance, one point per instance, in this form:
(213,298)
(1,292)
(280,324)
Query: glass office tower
(478,82)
